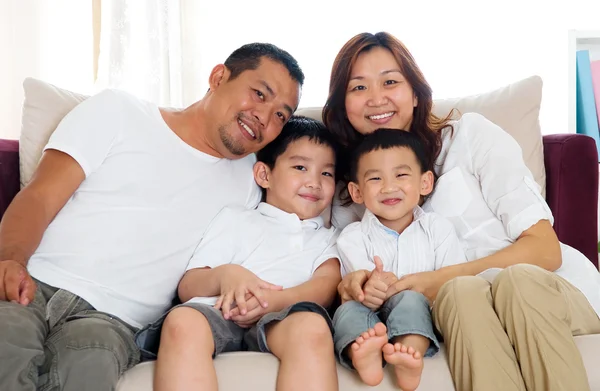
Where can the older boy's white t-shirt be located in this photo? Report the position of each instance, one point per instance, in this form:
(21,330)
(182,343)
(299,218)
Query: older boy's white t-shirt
(275,245)
(123,240)
(427,244)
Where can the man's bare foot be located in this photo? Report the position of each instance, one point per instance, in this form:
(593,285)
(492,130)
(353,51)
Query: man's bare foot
(365,354)
(407,362)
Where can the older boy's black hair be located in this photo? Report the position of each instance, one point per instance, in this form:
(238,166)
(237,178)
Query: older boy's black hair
(297,127)
(248,57)
(386,139)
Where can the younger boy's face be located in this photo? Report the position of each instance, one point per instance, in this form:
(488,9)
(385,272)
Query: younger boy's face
(390,184)
(302,181)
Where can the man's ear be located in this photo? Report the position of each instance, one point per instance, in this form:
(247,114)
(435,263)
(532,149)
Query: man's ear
(426,183)
(219,74)
(262,174)
(355,193)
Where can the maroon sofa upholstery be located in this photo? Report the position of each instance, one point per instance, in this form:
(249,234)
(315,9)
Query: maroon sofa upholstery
(571,187)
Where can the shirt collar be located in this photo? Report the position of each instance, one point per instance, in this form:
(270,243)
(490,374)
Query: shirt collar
(370,221)
(288,219)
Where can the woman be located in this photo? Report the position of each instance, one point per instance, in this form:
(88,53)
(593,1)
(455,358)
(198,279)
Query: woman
(515,333)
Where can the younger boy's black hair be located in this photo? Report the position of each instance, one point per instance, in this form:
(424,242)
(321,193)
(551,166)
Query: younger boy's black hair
(297,127)
(386,139)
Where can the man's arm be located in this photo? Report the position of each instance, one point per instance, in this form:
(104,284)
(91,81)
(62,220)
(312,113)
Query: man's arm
(57,177)
(33,209)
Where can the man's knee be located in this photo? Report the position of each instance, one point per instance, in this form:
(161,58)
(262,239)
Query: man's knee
(459,288)
(92,344)
(513,277)
(22,326)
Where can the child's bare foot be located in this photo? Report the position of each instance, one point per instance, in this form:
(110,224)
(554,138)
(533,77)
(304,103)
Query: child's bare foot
(366,354)
(407,362)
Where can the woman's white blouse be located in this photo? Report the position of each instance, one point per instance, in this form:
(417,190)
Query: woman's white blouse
(488,193)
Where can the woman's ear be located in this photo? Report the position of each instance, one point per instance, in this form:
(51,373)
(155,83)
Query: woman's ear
(262,174)
(415,100)
(426,183)
(355,193)
(219,74)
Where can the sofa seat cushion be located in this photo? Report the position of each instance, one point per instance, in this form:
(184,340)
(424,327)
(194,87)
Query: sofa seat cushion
(252,371)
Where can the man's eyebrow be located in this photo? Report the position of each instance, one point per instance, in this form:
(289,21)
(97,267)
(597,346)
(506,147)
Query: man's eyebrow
(272,93)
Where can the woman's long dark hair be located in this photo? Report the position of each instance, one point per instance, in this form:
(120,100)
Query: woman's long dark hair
(424,124)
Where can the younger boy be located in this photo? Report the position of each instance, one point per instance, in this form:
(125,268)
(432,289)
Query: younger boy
(284,242)
(390,174)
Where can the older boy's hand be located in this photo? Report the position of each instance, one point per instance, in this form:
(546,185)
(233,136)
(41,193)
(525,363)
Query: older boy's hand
(254,311)
(236,282)
(351,286)
(376,286)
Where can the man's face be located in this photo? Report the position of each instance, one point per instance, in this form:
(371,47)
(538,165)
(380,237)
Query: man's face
(250,110)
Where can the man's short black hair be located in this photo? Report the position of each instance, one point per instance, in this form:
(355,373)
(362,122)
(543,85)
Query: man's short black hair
(248,57)
(386,139)
(297,127)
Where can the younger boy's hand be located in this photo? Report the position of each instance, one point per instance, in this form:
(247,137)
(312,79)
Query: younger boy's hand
(236,282)
(377,285)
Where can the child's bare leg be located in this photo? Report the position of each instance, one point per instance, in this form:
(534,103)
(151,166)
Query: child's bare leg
(365,354)
(185,354)
(406,355)
(304,345)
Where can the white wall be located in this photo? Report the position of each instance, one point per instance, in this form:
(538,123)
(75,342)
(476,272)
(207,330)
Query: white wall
(463,46)
(39,39)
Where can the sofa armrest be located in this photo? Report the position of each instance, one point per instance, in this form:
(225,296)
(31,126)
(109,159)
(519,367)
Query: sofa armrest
(571,162)
(9,173)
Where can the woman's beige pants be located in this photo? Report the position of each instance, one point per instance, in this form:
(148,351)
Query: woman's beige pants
(515,334)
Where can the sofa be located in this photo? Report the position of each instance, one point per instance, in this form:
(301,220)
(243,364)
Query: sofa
(565,166)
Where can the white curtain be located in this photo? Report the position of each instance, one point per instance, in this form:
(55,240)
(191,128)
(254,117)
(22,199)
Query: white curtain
(140,49)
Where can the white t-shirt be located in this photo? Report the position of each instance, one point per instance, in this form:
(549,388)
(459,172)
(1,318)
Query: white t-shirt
(488,193)
(124,238)
(275,245)
(427,244)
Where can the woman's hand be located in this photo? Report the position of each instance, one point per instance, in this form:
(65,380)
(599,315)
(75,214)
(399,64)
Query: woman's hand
(427,283)
(351,286)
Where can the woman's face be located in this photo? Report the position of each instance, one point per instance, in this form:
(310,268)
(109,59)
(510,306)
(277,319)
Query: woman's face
(378,95)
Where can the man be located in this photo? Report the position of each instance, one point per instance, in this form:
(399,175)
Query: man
(93,248)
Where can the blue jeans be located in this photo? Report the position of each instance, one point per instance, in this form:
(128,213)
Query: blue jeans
(404,313)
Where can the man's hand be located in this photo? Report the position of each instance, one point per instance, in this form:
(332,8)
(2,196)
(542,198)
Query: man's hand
(237,281)
(16,284)
(254,311)
(377,285)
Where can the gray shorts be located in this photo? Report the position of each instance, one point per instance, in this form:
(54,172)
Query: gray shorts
(404,313)
(227,335)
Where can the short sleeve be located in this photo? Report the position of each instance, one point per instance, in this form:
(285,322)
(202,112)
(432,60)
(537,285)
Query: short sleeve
(88,132)
(447,248)
(218,246)
(507,184)
(354,253)
(331,250)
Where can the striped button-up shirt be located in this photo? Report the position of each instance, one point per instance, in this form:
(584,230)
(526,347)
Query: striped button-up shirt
(427,244)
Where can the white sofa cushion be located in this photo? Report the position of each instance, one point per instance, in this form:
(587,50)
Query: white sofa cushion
(515,108)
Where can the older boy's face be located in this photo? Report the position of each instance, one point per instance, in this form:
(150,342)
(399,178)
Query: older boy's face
(250,110)
(302,181)
(390,184)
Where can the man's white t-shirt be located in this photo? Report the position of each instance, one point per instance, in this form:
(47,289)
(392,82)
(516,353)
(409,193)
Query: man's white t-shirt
(123,240)
(275,245)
